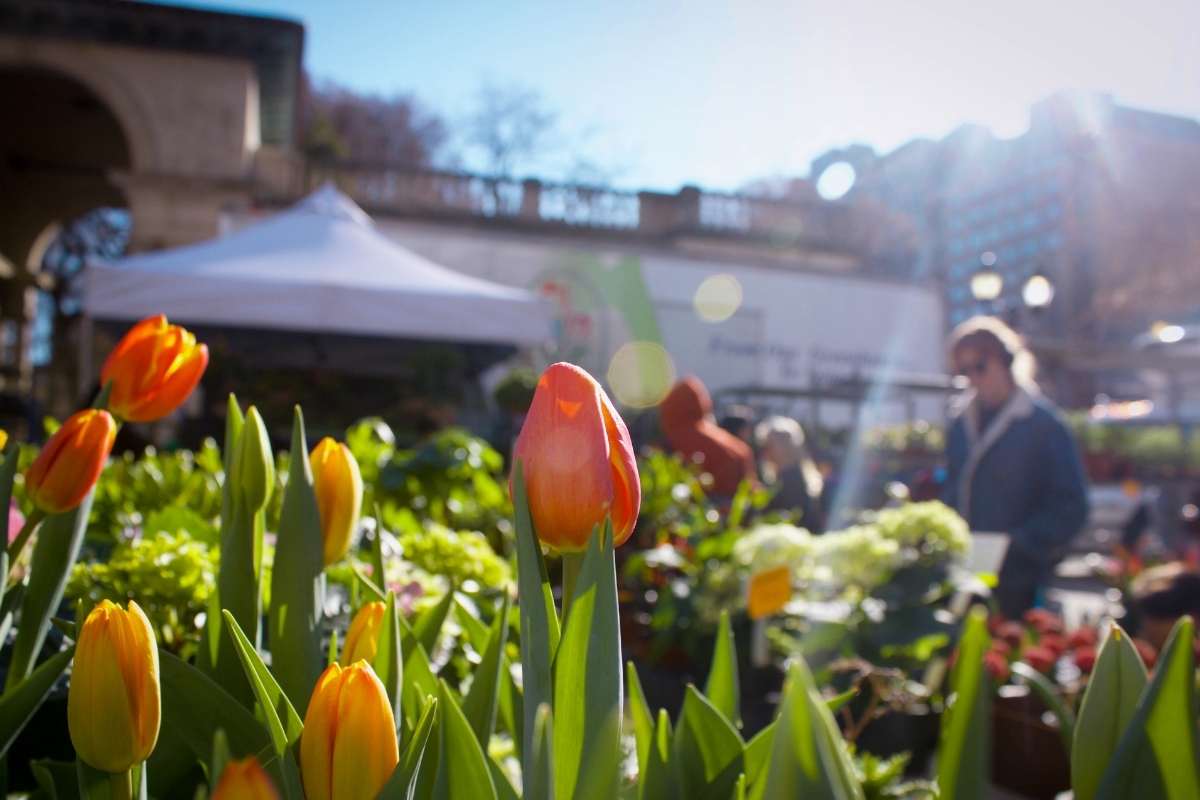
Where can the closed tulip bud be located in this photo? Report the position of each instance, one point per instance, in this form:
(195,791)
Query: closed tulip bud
(113,702)
(70,462)
(3,438)
(254,466)
(362,640)
(578,461)
(153,370)
(339,489)
(349,748)
(244,780)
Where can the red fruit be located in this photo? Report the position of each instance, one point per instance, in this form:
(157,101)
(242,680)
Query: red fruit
(997,666)
(1040,658)
(1002,647)
(1083,637)
(1085,659)
(1012,634)
(1053,642)
(1044,621)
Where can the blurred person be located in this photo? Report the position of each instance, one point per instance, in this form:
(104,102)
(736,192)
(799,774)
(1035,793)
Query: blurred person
(739,420)
(1013,466)
(1161,595)
(686,419)
(791,471)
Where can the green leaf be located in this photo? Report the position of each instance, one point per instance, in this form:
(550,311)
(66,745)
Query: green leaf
(539,617)
(639,712)
(1046,690)
(403,783)
(389,663)
(366,583)
(463,772)
(1117,681)
(59,539)
(835,703)
(428,626)
(194,708)
(477,633)
(331,656)
(8,471)
(57,779)
(1156,756)
(722,688)
(19,703)
(707,751)
(480,704)
(808,757)
(297,580)
(254,470)
(539,784)
(379,566)
(283,723)
(964,753)
(511,708)
(587,681)
(220,757)
(504,787)
(656,781)
(420,682)
(758,754)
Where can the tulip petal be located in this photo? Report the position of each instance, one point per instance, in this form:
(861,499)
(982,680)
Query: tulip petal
(627,487)
(178,381)
(366,751)
(565,451)
(320,729)
(99,715)
(362,640)
(71,461)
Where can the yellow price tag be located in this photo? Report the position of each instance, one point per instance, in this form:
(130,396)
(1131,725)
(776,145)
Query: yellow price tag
(769,591)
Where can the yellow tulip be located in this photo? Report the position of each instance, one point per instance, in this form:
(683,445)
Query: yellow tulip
(3,438)
(244,780)
(349,748)
(339,489)
(113,702)
(362,640)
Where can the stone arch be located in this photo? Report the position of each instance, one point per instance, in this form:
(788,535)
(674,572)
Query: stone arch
(106,85)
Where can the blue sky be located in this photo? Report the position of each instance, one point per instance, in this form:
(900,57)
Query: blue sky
(719,93)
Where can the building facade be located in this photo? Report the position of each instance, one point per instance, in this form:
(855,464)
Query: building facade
(1100,198)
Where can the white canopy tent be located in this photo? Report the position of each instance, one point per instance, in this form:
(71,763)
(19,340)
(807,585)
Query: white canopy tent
(320,266)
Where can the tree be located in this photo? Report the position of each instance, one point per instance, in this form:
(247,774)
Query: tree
(510,129)
(398,129)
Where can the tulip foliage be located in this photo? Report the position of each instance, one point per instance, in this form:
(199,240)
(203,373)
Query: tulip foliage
(291,714)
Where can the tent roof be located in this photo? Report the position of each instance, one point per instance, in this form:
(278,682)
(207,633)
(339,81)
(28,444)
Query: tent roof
(318,266)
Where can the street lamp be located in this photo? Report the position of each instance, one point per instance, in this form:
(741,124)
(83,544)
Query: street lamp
(986,283)
(1038,292)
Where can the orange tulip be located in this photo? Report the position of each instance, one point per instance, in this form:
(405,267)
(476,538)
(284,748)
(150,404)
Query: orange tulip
(578,461)
(338,486)
(71,461)
(349,748)
(244,780)
(362,640)
(113,704)
(153,370)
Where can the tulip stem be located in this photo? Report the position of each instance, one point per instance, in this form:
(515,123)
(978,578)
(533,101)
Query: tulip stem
(18,544)
(121,785)
(571,564)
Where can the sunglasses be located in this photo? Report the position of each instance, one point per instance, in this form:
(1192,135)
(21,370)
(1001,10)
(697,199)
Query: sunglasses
(974,370)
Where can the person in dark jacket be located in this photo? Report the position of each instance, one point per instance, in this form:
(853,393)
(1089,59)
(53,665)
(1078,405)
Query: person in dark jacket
(1013,466)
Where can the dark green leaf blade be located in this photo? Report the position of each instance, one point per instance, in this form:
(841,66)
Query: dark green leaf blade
(722,688)
(588,681)
(20,703)
(964,754)
(297,580)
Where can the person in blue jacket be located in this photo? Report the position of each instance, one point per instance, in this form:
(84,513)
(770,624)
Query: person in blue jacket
(1013,466)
